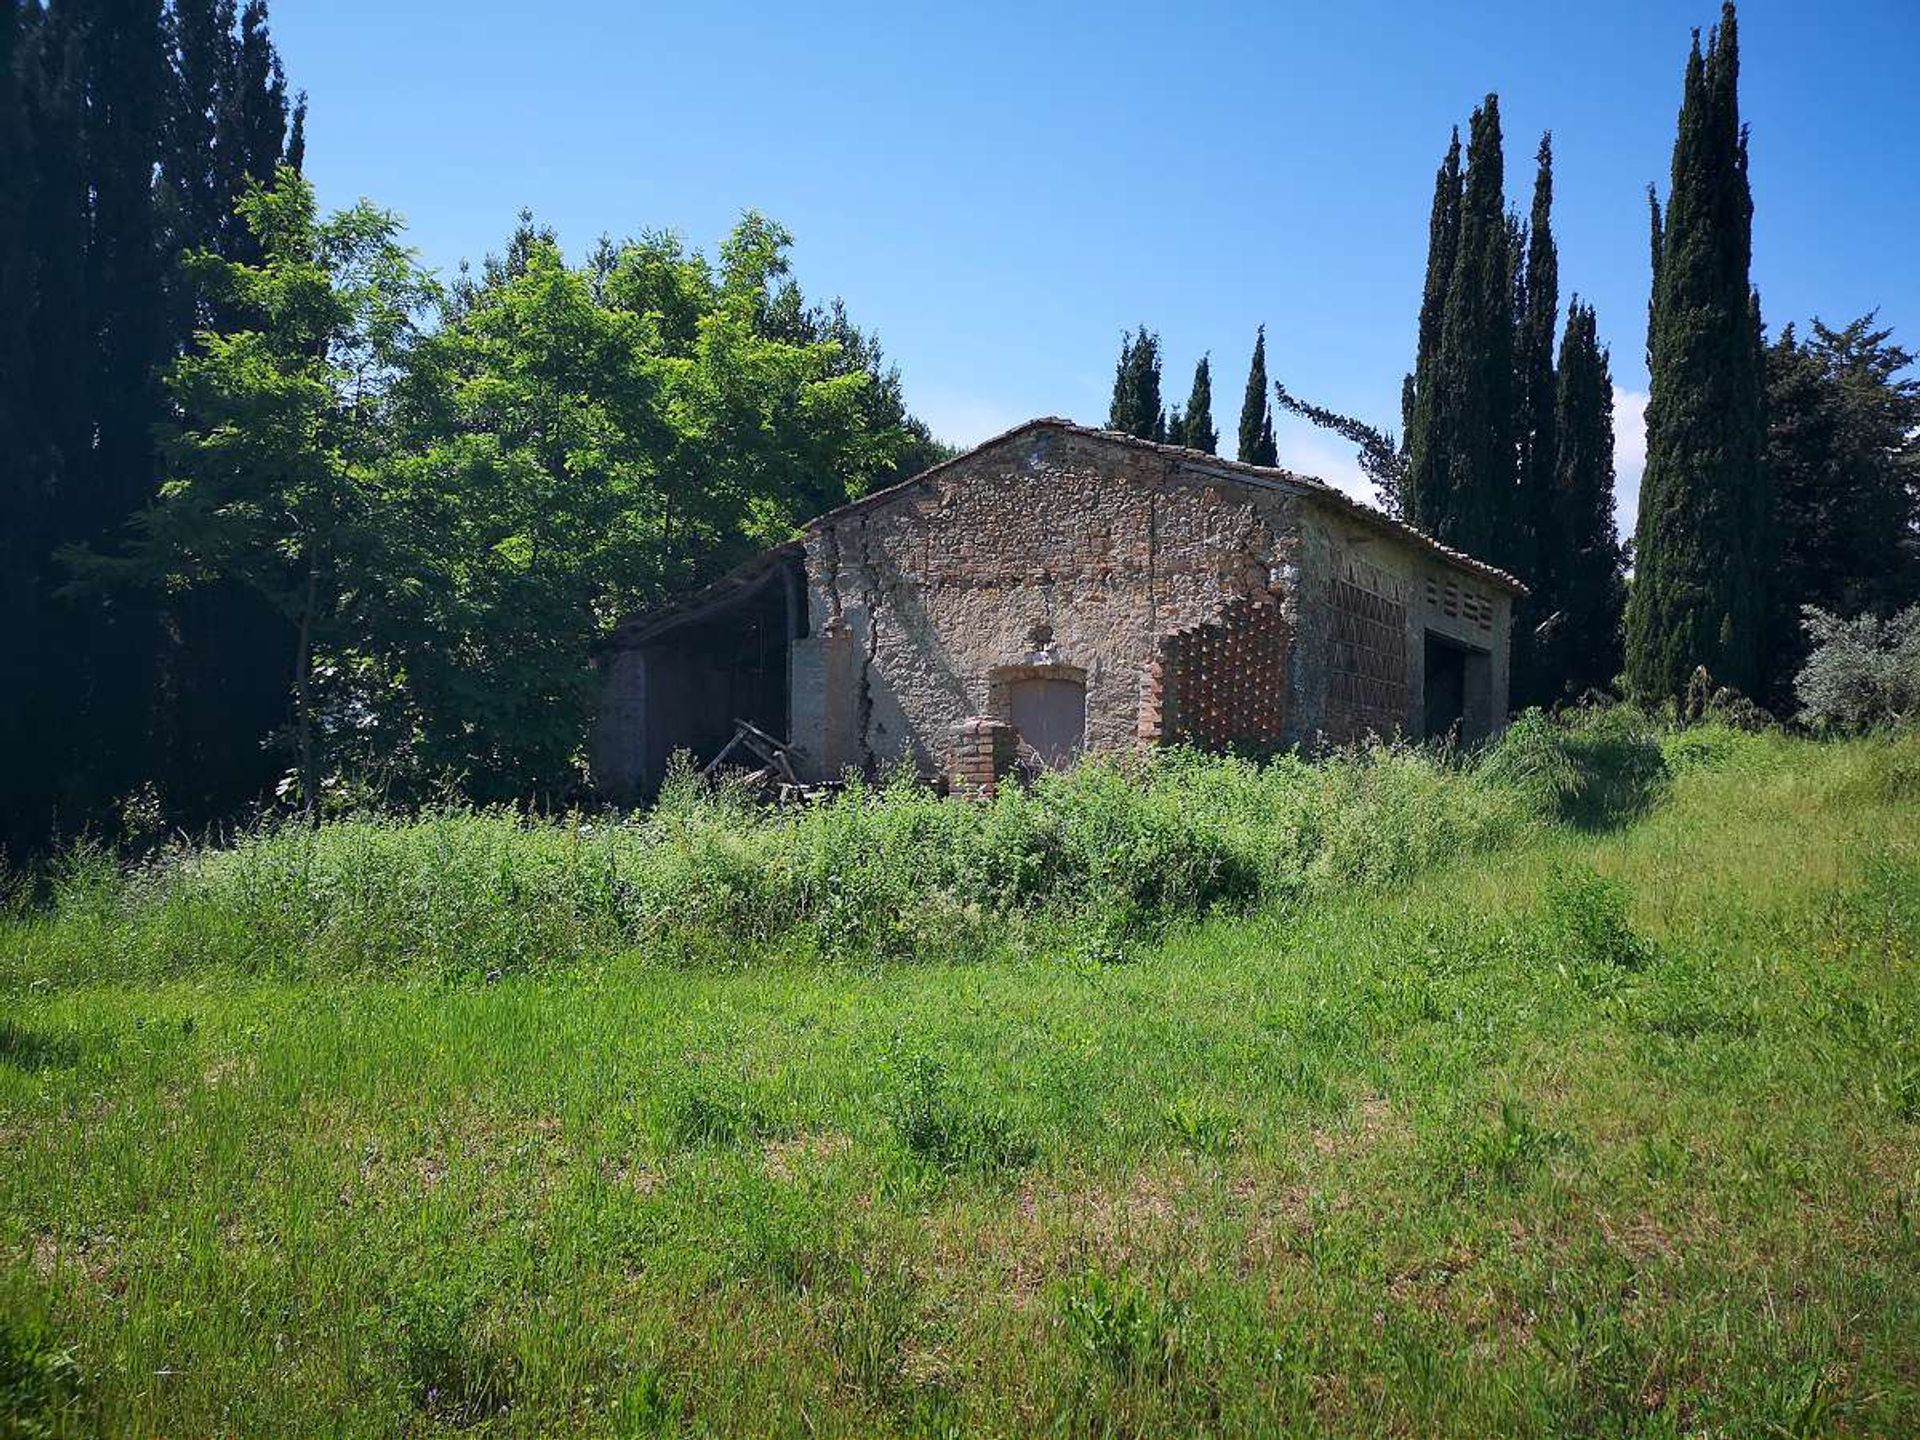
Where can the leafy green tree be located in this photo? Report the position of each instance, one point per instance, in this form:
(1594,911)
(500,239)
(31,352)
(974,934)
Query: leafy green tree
(1843,456)
(883,402)
(1197,432)
(1176,428)
(1136,388)
(576,442)
(274,480)
(1702,550)
(1256,410)
(1461,458)
(1581,589)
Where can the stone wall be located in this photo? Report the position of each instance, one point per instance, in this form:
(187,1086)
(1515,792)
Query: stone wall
(1357,585)
(1053,551)
(1191,598)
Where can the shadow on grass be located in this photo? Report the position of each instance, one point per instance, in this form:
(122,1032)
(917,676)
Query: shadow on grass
(29,1050)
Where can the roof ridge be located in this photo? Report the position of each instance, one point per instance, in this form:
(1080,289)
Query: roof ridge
(1233,469)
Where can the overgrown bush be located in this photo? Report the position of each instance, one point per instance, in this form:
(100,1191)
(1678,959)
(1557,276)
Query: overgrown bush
(944,1126)
(1089,860)
(1588,914)
(1863,673)
(1590,768)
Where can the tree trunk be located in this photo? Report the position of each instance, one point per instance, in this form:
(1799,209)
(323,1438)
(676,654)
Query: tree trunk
(303,695)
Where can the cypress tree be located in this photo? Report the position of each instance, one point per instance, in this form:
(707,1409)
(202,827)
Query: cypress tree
(20,481)
(1199,433)
(1583,590)
(1535,391)
(1529,519)
(296,156)
(1419,400)
(227,127)
(1135,409)
(1176,427)
(39,773)
(122,49)
(1464,456)
(1256,410)
(118,119)
(1700,566)
(196,197)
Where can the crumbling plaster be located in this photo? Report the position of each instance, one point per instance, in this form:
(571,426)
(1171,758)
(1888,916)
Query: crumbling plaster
(1055,549)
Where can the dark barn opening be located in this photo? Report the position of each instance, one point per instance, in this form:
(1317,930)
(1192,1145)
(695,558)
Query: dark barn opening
(719,660)
(1446,688)
(1458,693)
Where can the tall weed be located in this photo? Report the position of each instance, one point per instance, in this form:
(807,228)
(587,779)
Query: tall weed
(1093,858)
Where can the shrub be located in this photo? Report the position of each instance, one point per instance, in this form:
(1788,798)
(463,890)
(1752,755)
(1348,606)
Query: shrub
(456,1374)
(1114,1322)
(1863,673)
(950,1130)
(39,1380)
(1201,1125)
(1593,768)
(1089,861)
(1588,914)
(1507,1150)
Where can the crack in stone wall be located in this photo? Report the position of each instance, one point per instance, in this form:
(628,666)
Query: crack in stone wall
(1063,549)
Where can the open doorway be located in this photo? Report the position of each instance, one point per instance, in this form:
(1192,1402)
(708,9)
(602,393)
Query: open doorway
(1457,699)
(716,661)
(1446,689)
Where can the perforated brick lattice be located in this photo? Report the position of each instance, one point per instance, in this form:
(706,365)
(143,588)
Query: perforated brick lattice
(1221,684)
(1367,677)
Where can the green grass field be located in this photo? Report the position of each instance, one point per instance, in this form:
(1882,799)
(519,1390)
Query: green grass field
(1385,1097)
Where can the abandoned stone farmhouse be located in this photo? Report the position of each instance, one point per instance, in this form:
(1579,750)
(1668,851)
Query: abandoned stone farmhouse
(1060,590)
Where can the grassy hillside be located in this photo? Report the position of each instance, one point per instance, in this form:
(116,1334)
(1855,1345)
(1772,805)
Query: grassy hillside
(1573,1092)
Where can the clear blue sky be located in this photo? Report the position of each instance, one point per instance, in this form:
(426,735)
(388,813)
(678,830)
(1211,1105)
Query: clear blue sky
(998,190)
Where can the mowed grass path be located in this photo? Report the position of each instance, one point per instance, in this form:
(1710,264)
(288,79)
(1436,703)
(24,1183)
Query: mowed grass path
(1612,1134)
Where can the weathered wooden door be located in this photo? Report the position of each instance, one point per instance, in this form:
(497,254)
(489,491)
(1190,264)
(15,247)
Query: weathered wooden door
(1051,716)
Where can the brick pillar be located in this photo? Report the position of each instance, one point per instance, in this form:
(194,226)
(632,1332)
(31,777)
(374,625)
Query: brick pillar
(983,751)
(1154,699)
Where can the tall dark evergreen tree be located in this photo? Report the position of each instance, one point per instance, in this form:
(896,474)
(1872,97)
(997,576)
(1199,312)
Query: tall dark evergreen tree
(115,120)
(1701,554)
(124,73)
(1580,588)
(20,480)
(1257,445)
(1420,412)
(1198,433)
(1136,388)
(1528,524)
(1462,454)
(1536,395)
(1176,427)
(1843,459)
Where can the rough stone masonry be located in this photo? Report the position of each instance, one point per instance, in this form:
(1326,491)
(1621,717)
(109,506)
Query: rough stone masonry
(1060,590)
